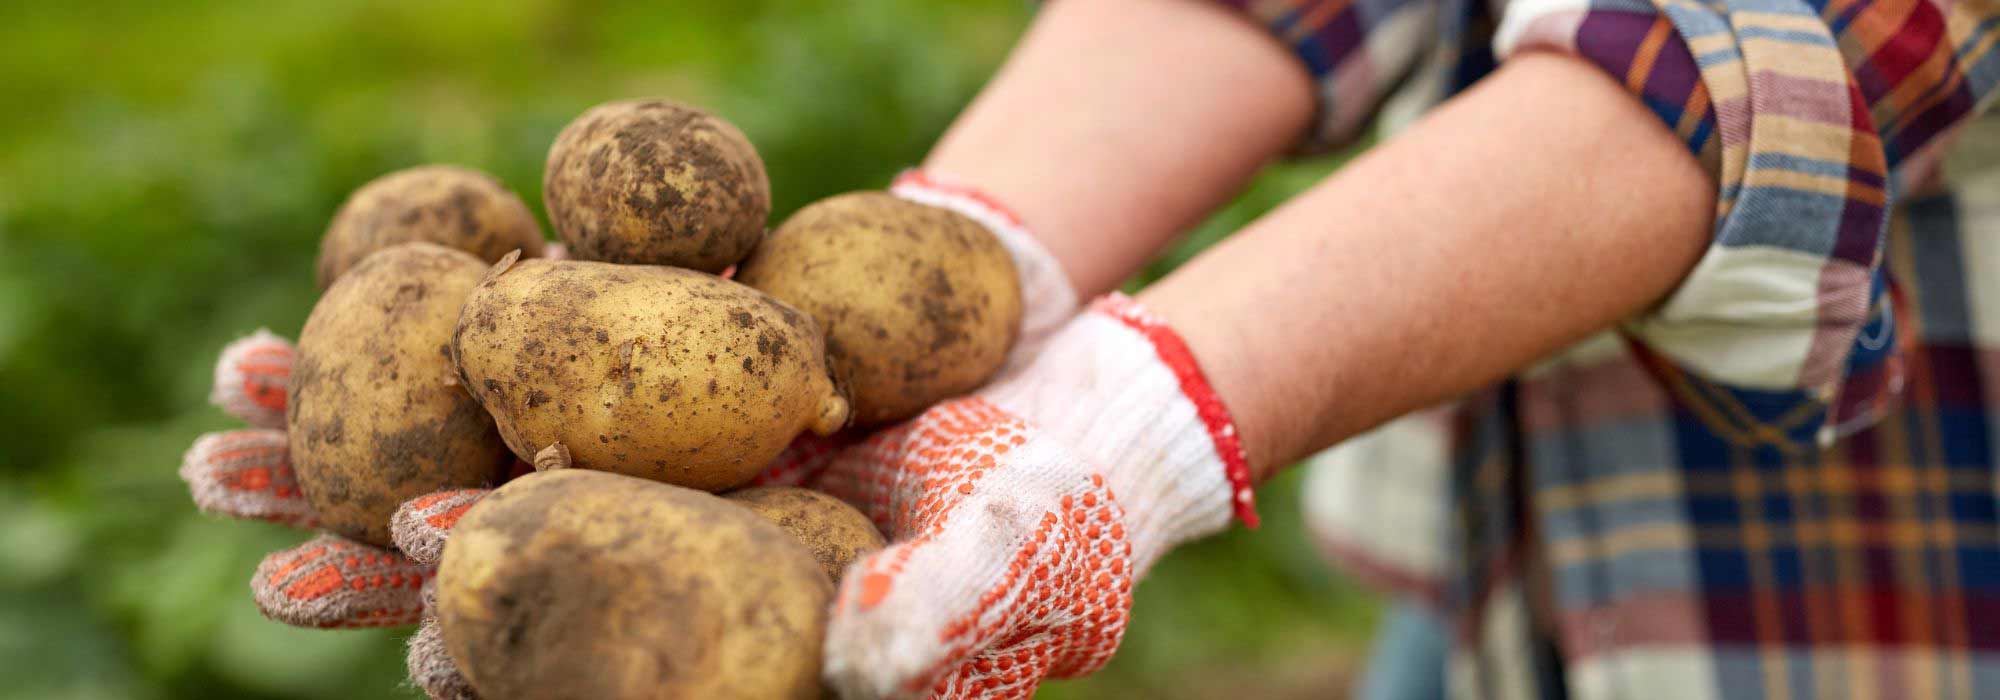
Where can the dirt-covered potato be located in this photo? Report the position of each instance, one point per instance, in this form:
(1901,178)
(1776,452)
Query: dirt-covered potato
(376,415)
(657,372)
(919,303)
(836,533)
(595,586)
(447,205)
(656,182)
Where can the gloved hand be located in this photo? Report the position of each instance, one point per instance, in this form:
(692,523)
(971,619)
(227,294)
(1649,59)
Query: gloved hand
(334,582)
(329,581)
(1021,515)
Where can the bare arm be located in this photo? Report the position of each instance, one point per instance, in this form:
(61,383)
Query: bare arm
(1117,124)
(1541,206)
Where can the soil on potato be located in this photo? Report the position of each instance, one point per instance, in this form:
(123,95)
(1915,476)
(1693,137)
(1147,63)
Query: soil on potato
(658,183)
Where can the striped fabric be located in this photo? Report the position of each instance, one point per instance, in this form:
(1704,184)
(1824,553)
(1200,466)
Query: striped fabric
(1781,482)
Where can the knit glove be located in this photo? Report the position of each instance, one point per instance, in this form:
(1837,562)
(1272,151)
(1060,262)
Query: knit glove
(420,527)
(1021,515)
(329,581)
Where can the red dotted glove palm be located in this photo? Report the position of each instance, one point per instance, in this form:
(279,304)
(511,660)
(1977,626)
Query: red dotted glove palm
(329,581)
(1020,516)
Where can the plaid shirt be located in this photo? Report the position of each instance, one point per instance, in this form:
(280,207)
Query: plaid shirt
(1781,481)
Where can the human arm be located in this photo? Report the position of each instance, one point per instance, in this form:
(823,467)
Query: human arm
(1117,124)
(1072,476)
(1165,108)
(1539,207)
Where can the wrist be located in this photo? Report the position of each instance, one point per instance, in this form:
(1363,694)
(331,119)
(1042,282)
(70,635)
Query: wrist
(1119,387)
(1215,333)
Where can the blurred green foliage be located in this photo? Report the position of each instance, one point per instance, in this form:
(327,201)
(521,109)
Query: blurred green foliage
(166,170)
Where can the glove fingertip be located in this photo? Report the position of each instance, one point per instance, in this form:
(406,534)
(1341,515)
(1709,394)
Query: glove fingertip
(251,377)
(431,668)
(330,582)
(245,474)
(871,652)
(421,525)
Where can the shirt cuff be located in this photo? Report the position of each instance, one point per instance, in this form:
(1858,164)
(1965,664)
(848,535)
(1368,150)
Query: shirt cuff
(1356,50)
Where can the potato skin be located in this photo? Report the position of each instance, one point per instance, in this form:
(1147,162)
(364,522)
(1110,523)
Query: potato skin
(375,413)
(656,372)
(919,303)
(836,533)
(451,206)
(589,585)
(654,182)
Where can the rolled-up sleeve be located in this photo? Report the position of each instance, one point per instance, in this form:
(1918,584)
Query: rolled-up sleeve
(1814,118)
(1358,51)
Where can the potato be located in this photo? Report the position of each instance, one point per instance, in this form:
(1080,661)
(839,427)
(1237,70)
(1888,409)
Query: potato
(657,183)
(657,372)
(596,586)
(919,303)
(375,412)
(836,533)
(450,206)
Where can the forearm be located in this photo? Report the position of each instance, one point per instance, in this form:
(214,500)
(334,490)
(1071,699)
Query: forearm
(1117,124)
(1541,206)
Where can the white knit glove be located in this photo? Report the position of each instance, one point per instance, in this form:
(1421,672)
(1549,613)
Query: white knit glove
(1021,515)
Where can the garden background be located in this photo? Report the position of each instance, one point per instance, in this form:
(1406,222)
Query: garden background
(166,170)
